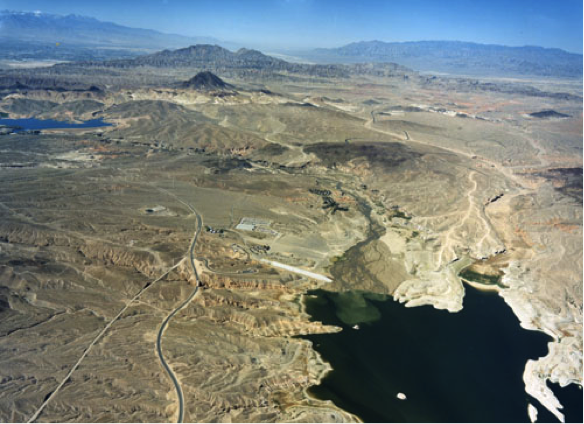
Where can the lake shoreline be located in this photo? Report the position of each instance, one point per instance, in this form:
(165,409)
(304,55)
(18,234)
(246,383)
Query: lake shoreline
(390,386)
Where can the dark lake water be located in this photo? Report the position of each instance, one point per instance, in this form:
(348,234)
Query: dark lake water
(27,124)
(461,367)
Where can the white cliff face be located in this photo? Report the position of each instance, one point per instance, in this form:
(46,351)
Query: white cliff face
(536,387)
(442,289)
(563,363)
(540,282)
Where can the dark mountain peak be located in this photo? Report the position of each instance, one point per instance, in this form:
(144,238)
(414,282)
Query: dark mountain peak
(207,57)
(251,55)
(218,59)
(203,48)
(194,53)
(249,52)
(548,114)
(206,81)
(244,51)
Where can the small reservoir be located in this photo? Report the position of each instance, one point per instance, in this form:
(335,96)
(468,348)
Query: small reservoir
(450,367)
(32,124)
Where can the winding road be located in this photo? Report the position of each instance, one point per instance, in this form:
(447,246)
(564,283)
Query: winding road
(184,304)
(93,343)
(164,325)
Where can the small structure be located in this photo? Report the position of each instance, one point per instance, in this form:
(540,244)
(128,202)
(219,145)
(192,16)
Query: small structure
(255,221)
(155,209)
(260,249)
(213,230)
(255,224)
(245,227)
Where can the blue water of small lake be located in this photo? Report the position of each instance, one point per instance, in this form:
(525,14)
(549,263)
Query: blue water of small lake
(28,124)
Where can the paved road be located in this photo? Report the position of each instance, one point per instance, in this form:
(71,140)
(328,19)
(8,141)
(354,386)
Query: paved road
(75,366)
(177,386)
(93,343)
(214,271)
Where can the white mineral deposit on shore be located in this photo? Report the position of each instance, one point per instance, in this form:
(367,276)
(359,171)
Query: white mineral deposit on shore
(532,412)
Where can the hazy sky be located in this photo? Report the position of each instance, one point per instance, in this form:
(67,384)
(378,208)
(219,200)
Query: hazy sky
(325,23)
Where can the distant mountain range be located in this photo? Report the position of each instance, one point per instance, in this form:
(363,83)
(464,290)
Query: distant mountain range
(169,67)
(456,57)
(213,58)
(43,36)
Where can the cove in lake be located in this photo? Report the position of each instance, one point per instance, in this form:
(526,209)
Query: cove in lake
(453,367)
(31,124)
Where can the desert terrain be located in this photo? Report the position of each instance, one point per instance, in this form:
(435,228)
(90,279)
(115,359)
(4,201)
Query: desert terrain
(189,230)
